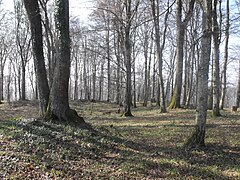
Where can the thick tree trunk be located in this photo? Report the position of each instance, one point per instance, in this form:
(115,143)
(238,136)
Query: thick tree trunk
(34,16)
(59,102)
(198,137)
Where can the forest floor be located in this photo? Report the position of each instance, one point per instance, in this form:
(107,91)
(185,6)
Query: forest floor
(146,146)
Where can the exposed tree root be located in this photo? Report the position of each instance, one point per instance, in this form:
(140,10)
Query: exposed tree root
(69,117)
(196,140)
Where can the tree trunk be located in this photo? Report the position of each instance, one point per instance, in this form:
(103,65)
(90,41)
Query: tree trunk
(85,84)
(224,70)
(59,102)
(101,83)
(1,84)
(159,49)
(94,79)
(238,87)
(216,53)
(145,52)
(181,27)
(108,61)
(23,81)
(76,78)
(198,137)
(145,100)
(127,56)
(34,16)
(128,95)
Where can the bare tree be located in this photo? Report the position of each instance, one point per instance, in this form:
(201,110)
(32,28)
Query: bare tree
(34,16)
(23,40)
(181,27)
(59,102)
(160,48)
(224,69)
(216,56)
(198,137)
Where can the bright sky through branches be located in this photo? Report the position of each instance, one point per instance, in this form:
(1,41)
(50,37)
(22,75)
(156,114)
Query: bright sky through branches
(80,8)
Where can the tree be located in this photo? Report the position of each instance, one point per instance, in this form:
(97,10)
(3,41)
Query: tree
(23,41)
(59,102)
(159,49)
(34,16)
(127,53)
(181,27)
(198,137)
(224,70)
(216,53)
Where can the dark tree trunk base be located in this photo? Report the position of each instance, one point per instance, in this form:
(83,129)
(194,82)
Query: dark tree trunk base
(162,110)
(127,114)
(69,117)
(173,104)
(196,140)
(216,114)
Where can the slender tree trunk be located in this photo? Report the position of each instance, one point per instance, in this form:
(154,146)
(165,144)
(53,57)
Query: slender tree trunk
(76,79)
(1,84)
(19,84)
(153,99)
(94,79)
(159,51)
(216,54)
(23,82)
(128,64)
(198,137)
(224,70)
(108,61)
(85,84)
(181,27)
(134,87)
(127,56)
(34,16)
(101,83)
(145,101)
(238,88)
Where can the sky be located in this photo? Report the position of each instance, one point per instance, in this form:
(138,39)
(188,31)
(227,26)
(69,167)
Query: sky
(81,8)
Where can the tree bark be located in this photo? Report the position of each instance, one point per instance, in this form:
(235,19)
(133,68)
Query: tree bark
(34,16)
(216,54)
(181,27)
(129,12)
(198,137)
(224,70)
(59,102)
(159,51)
